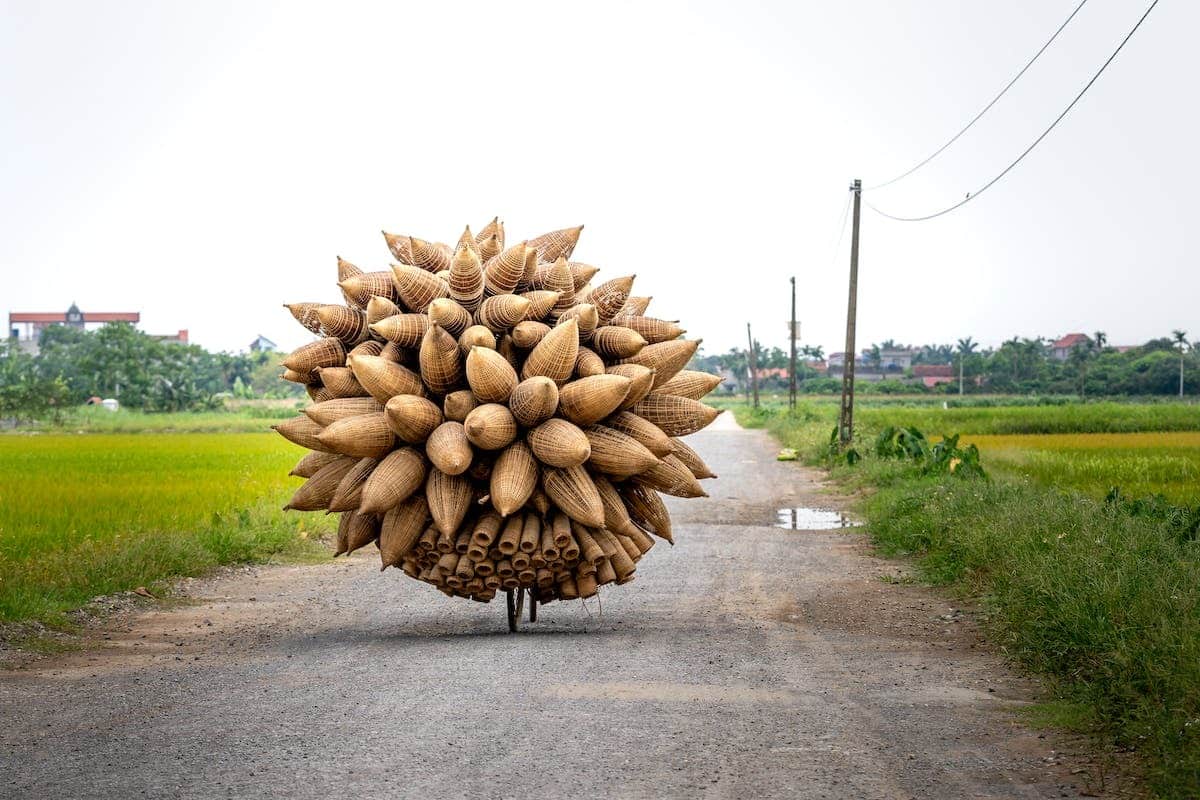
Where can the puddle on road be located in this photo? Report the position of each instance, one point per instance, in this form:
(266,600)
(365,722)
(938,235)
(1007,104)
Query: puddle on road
(804,518)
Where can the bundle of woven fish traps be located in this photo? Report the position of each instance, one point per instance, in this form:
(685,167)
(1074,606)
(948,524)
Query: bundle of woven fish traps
(494,419)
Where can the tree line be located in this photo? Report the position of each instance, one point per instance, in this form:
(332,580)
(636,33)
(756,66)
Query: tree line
(1162,366)
(140,371)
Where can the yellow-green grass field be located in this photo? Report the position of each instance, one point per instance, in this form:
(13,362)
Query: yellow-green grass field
(87,515)
(1093,463)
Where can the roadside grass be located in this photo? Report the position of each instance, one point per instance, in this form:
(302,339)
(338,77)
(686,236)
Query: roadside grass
(873,414)
(1103,603)
(82,516)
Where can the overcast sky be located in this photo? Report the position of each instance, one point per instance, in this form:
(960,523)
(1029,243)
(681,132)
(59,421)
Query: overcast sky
(203,162)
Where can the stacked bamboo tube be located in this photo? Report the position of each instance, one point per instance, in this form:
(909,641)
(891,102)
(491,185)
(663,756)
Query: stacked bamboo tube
(491,418)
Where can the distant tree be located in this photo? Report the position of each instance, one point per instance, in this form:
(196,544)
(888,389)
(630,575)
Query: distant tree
(875,358)
(965,348)
(815,351)
(1180,341)
(1101,339)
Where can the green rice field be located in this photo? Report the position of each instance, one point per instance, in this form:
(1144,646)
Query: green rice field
(86,515)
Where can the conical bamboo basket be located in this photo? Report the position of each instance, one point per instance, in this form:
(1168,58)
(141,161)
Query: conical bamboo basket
(616,515)
(451,316)
(555,244)
(406,330)
(327,352)
(490,376)
(613,341)
(383,379)
(417,288)
(588,363)
(647,510)
(558,443)
(540,303)
(393,480)
(635,306)
(466,274)
(306,315)
(501,312)
(476,336)
(691,459)
(399,246)
(533,401)
(356,530)
(308,466)
(527,334)
(441,361)
(490,426)
(676,416)
(610,296)
(651,329)
(302,431)
(641,381)
(347,324)
(690,384)
(503,272)
(363,436)
(457,405)
(671,476)
(449,449)
(380,308)
(572,491)
(617,454)
(666,358)
(317,491)
(449,498)
(513,479)
(359,289)
(429,256)
(591,399)
(348,494)
(554,356)
(412,418)
(402,527)
(585,317)
(340,408)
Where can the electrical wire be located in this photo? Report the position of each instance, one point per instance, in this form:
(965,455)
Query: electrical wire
(972,195)
(841,229)
(986,108)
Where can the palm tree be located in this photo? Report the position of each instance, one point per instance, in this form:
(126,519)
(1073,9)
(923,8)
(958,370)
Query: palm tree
(965,347)
(1182,343)
(1101,339)
(814,351)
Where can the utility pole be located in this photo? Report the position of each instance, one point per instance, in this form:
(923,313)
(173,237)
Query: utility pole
(846,422)
(753,364)
(792,338)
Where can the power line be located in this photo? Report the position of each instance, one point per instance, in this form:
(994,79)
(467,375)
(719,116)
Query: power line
(986,108)
(841,229)
(972,195)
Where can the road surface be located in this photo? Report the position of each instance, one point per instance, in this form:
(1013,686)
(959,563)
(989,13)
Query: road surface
(746,662)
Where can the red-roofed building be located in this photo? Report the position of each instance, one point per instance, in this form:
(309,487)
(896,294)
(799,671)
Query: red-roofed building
(1061,349)
(27,326)
(934,374)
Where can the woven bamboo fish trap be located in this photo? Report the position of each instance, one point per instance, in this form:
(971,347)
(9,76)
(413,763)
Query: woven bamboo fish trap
(494,418)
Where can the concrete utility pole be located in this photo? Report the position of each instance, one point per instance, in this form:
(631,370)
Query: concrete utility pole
(846,422)
(753,364)
(792,337)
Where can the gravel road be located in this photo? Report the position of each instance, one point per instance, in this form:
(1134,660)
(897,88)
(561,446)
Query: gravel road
(746,662)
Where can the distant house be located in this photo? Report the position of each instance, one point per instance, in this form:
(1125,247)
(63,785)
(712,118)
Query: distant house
(772,372)
(1061,349)
(895,359)
(932,375)
(261,344)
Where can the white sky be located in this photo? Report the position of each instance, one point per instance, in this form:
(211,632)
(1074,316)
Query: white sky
(203,162)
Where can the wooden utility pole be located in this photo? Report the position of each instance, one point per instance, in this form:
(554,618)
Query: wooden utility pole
(846,422)
(792,337)
(753,364)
